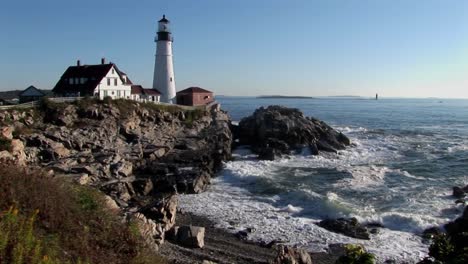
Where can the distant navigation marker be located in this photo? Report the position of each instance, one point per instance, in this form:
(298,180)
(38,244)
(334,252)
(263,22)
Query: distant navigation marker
(376,96)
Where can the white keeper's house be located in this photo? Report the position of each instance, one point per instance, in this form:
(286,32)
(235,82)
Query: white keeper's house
(101,80)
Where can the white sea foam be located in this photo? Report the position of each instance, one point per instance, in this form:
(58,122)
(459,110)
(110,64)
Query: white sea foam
(235,209)
(458,147)
(282,201)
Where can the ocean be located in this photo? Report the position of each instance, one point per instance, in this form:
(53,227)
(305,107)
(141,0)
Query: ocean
(406,156)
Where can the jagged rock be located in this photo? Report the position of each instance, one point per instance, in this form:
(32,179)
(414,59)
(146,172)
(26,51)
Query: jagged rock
(191,236)
(111,204)
(162,211)
(289,255)
(5,155)
(135,155)
(349,227)
(84,179)
(148,229)
(122,168)
(277,130)
(7,132)
(458,192)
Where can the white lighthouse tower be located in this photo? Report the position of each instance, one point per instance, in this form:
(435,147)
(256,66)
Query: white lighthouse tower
(163,79)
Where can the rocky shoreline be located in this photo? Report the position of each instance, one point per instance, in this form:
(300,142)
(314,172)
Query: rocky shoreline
(142,156)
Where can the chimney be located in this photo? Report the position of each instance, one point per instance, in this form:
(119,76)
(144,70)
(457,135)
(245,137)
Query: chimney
(78,63)
(103,60)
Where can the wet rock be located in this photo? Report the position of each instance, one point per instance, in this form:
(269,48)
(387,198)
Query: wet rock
(242,235)
(346,226)
(191,236)
(431,232)
(279,130)
(289,255)
(458,192)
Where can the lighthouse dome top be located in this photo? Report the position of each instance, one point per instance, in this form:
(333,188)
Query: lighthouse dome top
(164,19)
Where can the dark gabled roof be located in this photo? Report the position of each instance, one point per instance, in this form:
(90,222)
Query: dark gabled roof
(138,89)
(151,92)
(194,90)
(164,19)
(31,88)
(93,74)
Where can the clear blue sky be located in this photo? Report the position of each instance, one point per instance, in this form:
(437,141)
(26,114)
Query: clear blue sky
(402,48)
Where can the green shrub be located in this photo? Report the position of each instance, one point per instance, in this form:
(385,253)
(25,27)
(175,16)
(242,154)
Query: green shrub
(356,254)
(18,241)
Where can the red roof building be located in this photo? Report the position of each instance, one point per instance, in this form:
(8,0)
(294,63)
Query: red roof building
(194,96)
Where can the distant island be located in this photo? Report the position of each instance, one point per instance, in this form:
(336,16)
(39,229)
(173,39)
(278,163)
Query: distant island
(284,96)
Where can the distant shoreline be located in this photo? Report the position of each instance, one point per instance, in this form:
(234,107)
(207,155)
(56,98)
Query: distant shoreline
(284,97)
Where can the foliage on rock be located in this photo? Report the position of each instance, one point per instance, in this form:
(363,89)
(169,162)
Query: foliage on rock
(356,254)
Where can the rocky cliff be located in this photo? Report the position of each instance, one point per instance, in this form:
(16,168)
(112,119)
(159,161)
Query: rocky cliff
(140,155)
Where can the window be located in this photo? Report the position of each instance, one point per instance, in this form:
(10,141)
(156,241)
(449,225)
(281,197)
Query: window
(112,92)
(113,71)
(77,80)
(71,80)
(118,93)
(115,82)
(105,93)
(108,81)
(171,79)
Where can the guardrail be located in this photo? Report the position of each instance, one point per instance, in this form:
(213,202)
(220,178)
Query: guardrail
(209,106)
(20,106)
(64,99)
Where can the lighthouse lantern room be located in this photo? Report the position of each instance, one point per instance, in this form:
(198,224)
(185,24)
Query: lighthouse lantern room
(163,78)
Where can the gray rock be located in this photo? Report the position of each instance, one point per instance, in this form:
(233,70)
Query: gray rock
(277,130)
(349,227)
(191,236)
(289,255)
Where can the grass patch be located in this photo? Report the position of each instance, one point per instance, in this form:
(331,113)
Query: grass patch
(66,222)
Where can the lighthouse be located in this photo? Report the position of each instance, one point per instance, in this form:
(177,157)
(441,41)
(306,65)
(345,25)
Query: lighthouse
(163,78)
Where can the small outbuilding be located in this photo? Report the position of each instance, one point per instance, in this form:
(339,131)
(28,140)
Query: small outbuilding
(30,94)
(194,96)
(140,94)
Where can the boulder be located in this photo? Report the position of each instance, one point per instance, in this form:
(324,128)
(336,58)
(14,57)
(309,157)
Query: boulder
(277,130)
(191,236)
(289,255)
(346,226)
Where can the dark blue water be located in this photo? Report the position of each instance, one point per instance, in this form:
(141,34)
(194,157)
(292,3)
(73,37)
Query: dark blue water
(406,157)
